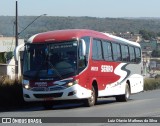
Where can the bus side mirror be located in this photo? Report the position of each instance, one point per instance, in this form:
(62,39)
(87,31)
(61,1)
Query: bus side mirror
(83,47)
(16,52)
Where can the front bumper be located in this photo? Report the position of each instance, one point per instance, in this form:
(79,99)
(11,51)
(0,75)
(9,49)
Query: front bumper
(73,92)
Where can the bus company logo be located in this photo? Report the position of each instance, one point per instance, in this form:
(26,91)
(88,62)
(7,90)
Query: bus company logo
(106,68)
(41,83)
(94,68)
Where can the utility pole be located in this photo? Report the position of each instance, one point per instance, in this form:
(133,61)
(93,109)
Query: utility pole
(18,33)
(16,40)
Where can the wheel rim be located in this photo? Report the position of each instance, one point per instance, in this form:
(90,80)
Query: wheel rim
(127,92)
(92,98)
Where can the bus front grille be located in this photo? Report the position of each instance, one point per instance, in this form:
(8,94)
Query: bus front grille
(51,95)
(38,89)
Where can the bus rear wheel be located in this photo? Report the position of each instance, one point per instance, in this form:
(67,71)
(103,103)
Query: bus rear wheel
(92,100)
(124,97)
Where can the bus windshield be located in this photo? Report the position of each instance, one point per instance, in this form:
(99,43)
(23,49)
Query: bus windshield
(51,60)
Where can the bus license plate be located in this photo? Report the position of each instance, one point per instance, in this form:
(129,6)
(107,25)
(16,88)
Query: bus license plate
(48,99)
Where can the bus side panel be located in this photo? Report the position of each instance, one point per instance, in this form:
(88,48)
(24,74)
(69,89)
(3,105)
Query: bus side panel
(130,73)
(108,76)
(113,81)
(135,78)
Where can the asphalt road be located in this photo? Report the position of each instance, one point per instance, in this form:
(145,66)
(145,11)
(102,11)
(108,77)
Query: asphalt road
(144,104)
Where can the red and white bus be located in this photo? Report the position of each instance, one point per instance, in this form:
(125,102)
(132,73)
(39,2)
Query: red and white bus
(80,64)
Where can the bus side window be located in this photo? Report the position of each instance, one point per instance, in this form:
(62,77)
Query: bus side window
(116,52)
(107,50)
(132,54)
(125,53)
(138,55)
(96,50)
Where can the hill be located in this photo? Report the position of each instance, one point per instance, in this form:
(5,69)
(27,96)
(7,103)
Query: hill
(48,23)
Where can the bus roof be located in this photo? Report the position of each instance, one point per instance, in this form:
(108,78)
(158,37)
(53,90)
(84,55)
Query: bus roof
(64,35)
(122,40)
(70,34)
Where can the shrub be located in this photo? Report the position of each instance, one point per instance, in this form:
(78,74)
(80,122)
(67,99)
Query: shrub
(157,76)
(151,84)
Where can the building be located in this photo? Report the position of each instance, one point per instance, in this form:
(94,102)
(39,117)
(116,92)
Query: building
(130,36)
(7,62)
(148,46)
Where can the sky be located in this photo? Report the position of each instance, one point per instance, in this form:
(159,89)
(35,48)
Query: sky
(92,8)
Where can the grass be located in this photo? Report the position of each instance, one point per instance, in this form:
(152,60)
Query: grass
(11,95)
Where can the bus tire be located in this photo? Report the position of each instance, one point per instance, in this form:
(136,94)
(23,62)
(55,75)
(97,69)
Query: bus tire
(48,105)
(124,97)
(92,100)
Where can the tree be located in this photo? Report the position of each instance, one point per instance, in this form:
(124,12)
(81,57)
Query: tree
(2,58)
(158,34)
(155,53)
(147,34)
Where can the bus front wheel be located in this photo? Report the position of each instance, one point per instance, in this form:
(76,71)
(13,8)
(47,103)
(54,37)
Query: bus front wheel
(92,100)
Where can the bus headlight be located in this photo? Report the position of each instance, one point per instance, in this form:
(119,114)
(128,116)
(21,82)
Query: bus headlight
(66,83)
(71,83)
(26,84)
